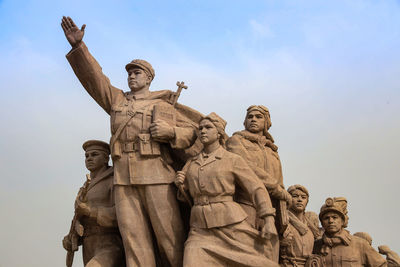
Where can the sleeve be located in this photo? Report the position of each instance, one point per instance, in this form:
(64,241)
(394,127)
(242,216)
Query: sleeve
(106,215)
(185,186)
(274,166)
(185,133)
(92,78)
(234,145)
(184,137)
(249,182)
(393,258)
(276,190)
(372,257)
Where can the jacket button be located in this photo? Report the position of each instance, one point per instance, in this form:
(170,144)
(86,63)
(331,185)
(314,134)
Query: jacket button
(201,168)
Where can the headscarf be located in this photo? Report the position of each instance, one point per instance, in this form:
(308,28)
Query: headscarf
(298,187)
(220,124)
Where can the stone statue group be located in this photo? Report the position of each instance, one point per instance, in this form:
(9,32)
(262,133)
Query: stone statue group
(183,193)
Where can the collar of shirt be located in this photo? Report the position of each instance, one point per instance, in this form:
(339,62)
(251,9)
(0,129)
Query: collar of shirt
(204,158)
(343,237)
(132,96)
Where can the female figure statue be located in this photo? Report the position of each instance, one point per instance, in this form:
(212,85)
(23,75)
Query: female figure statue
(219,233)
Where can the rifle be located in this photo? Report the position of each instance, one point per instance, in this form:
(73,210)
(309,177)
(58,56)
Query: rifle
(175,96)
(77,229)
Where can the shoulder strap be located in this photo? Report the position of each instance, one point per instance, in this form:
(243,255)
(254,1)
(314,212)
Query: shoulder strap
(131,114)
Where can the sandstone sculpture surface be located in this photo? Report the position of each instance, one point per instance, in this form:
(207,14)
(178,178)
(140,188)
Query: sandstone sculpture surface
(181,192)
(95,224)
(338,247)
(219,234)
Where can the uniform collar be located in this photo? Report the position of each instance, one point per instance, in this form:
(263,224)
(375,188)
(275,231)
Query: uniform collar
(100,177)
(299,225)
(203,158)
(341,238)
(262,140)
(162,94)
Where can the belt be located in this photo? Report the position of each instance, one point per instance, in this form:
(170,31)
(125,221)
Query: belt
(130,147)
(293,261)
(99,230)
(205,200)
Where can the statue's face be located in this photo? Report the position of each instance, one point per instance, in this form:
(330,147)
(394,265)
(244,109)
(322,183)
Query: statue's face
(299,201)
(332,222)
(255,122)
(137,79)
(95,159)
(208,133)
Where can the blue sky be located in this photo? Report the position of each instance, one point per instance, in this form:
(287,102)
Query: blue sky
(328,70)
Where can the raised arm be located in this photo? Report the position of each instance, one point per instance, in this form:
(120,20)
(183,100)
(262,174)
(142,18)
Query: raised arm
(87,69)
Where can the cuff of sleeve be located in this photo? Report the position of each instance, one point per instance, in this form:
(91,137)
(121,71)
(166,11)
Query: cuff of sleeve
(264,212)
(173,142)
(77,48)
(93,213)
(106,217)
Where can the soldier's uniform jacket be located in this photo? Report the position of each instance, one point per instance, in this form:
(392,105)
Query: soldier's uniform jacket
(347,250)
(138,159)
(211,180)
(297,243)
(101,240)
(261,155)
(100,199)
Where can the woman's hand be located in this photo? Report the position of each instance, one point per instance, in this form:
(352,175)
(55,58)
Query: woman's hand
(267,227)
(180,178)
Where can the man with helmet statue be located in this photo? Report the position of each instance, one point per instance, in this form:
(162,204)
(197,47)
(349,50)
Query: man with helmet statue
(95,223)
(256,146)
(146,128)
(338,247)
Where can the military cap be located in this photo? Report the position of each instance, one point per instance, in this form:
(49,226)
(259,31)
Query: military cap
(338,205)
(96,145)
(142,64)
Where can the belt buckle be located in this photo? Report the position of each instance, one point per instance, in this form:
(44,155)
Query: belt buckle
(204,200)
(129,147)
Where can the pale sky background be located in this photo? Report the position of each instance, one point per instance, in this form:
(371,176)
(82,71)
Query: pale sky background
(329,71)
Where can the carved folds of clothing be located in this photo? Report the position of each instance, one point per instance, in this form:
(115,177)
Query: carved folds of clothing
(101,241)
(297,242)
(346,250)
(131,166)
(262,156)
(139,161)
(219,234)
